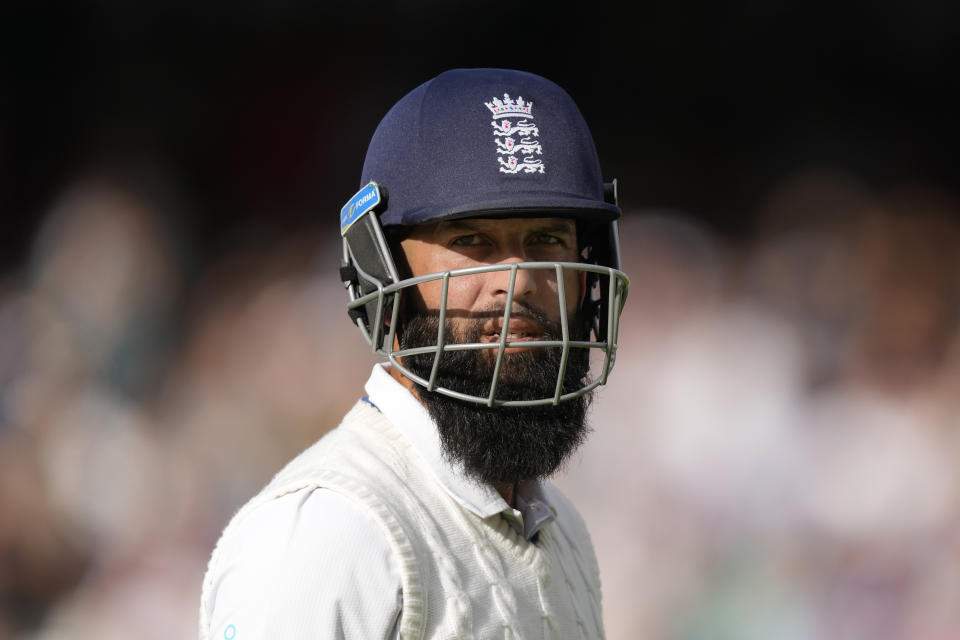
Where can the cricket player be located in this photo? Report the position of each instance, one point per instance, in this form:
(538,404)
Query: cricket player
(481,260)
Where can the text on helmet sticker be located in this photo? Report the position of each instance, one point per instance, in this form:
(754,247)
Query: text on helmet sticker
(362,201)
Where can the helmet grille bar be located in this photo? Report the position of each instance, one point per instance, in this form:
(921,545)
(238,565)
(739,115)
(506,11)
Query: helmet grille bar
(611,328)
(561,302)
(441,334)
(396,286)
(504,331)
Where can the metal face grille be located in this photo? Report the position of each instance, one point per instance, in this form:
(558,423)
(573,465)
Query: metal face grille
(383,295)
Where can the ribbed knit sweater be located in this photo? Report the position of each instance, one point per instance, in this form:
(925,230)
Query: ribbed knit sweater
(462,576)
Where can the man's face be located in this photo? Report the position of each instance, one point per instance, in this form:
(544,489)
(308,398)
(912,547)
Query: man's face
(500,444)
(458,244)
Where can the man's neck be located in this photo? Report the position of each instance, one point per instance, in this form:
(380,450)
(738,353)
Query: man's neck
(407,383)
(508,492)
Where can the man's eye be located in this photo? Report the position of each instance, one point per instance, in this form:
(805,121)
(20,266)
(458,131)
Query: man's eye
(546,238)
(471,240)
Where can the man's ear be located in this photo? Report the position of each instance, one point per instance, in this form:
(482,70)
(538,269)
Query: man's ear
(395,237)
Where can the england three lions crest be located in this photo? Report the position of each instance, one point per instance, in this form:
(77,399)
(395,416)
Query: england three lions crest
(515,135)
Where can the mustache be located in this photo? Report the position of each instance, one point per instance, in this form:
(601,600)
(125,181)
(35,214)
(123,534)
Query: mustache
(475,321)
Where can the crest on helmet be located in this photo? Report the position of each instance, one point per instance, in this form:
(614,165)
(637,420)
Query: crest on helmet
(515,135)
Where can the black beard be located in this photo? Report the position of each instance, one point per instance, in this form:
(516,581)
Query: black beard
(503,445)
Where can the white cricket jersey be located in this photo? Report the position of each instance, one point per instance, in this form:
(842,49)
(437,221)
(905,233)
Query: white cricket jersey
(289,568)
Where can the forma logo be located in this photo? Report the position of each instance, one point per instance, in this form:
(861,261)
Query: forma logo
(362,201)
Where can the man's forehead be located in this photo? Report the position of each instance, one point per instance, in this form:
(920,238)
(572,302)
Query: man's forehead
(518,224)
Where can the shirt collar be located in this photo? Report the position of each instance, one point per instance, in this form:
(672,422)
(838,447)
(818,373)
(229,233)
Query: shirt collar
(399,406)
(533,510)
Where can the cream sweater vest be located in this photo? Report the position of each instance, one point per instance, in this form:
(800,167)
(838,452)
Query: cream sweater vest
(462,576)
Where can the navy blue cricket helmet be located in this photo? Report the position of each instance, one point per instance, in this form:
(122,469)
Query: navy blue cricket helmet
(481,143)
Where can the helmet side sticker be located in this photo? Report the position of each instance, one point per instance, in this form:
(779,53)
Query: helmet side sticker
(515,135)
(362,201)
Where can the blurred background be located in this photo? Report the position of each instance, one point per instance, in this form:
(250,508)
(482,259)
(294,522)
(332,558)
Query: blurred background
(775,455)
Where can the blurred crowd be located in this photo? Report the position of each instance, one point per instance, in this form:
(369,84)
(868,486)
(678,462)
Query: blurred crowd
(774,456)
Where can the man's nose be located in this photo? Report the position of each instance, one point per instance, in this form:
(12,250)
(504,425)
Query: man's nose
(524,282)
